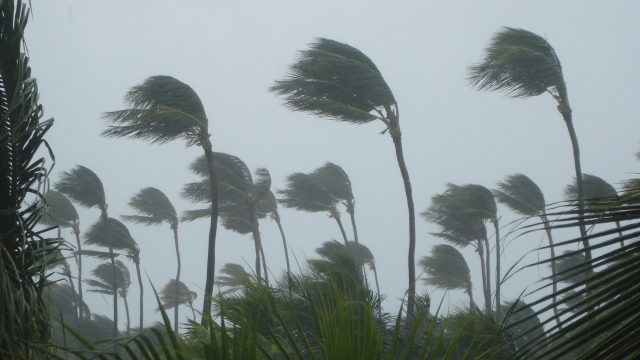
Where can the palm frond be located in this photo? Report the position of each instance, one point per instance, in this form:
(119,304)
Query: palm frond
(521,195)
(446,268)
(120,237)
(168,295)
(304,192)
(594,188)
(61,211)
(335,180)
(105,282)
(234,278)
(153,207)
(162,109)
(102,255)
(83,186)
(520,64)
(336,81)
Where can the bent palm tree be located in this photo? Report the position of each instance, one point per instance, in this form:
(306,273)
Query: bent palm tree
(594,188)
(84,187)
(240,195)
(339,82)
(107,284)
(524,197)
(306,192)
(120,239)
(523,64)
(63,214)
(155,208)
(185,296)
(337,182)
(164,109)
(447,269)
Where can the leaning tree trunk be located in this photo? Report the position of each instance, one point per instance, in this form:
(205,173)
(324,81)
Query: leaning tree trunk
(276,217)
(126,308)
(487,293)
(137,262)
(375,276)
(498,280)
(397,141)
(488,272)
(105,218)
(67,272)
(255,230)
(264,264)
(175,314)
(76,231)
(472,304)
(213,227)
(554,281)
(565,110)
(336,215)
(351,210)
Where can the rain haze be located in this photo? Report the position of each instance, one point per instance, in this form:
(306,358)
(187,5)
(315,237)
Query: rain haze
(87,55)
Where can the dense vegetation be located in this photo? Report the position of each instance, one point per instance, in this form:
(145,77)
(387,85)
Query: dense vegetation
(330,308)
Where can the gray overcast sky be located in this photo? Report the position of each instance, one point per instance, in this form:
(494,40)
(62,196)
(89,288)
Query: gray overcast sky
(86,55)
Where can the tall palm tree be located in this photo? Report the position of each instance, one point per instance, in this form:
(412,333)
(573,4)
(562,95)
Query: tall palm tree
(62,213)
(447,269)
(337,182)
(339,82)
(523,196)
(106,284)
(234,278)
(120,239)
(84,187)
(164,109)
(185,296)
(155,208)
(523,64)
(240,195)
(461,213)
(594,188)
(307,192)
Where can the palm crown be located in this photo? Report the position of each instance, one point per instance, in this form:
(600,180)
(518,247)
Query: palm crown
(83,186)
(153,207)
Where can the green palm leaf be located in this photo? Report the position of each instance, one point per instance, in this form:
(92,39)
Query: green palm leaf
(521,195)
(120,237)
(83,186)
(153,207)
(168,295)
(61,211)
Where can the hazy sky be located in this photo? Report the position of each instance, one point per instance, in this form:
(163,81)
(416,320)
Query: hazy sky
(86,55)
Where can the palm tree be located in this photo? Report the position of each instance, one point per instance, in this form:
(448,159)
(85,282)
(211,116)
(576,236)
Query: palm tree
(84,187)
(337,81)
(239,195)
(185,296)
(155,208)
(120,239)
(307,192)
(359,252)
(63,214)
(234,278)
(594,188)
(164,109)
(269,205)
(106,284)
(55,260)
(523,196)
(447,269)
(337,182)
(523,64)
(461,213)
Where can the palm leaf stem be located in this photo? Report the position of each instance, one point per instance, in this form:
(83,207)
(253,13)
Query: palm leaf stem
(175,314)
(547,229)
(211,253)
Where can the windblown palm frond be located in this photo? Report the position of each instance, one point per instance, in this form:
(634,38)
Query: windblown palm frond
(521,195)
(594,188)
(168,295)
(521,64)
(335,180)
(234,278)
(522,324)
(83,186)
(446,268)
(61,211)
(153,207)
(104,283)
(120,237)
(304,192)
(162,109)
(102,255)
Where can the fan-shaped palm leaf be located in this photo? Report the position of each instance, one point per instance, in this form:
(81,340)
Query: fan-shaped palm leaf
(234,278)
(447,269)
(164,109)
(337,81)
(523,64)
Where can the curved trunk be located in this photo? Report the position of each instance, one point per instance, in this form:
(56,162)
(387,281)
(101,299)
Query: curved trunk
(264,264)
(566,115)
(554,271)
(284,243)
(67,271)
(126,308)
(344,234)
(255,230)
(375,275)
(498,280)
(353,223)
(141,293)
(411,294)
(213,227)
(76,230)
(487,294)
(619,233)
(488,273)
(472,304)
(175,313)
(105,216)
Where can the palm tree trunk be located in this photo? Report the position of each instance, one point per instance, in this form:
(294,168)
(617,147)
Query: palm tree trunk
(554,281)
(619,233)
(284,243)
(213,227)
(76,231)
(488,265)
(353,224)
(344,234)
(67,271)
(411,294)
(472,304)
(105,218)
(264,264)
(141,293)
(175,310)
(498,279)
(258,267)
(126,308)
(487,293)
(566,115)
(255,229)
(375,275)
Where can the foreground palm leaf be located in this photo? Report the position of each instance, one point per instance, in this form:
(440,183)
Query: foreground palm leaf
(339,82)
(523,64)
(164,109)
